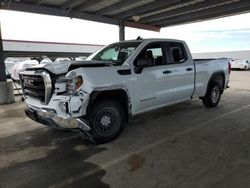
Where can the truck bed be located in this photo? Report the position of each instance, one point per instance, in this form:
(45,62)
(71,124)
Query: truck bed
(204,70)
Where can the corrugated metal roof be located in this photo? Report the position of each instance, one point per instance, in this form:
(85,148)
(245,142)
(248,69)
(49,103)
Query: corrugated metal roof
(101,5)
(142,13)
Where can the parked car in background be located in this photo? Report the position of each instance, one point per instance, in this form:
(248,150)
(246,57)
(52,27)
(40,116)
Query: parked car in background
(240,64)
(9,67)
(248,64)
(21,66)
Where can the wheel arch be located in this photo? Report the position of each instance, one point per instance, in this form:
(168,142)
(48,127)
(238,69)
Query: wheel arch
(215,76)
(121,95)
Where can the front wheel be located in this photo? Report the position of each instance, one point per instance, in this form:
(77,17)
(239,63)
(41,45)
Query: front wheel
(107,119)
(212,97)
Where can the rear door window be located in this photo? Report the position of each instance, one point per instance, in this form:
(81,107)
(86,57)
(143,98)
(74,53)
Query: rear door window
(178,52)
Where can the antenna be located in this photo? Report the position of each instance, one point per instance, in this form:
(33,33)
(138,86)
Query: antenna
(139,38)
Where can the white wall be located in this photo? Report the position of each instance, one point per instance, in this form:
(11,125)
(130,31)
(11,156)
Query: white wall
(30,46)
(244,54)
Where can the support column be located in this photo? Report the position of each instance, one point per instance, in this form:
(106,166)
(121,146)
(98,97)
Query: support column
(121,31)
(6,87)
(2,66)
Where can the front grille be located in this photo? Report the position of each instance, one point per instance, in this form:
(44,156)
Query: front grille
(37,86)
(34,87)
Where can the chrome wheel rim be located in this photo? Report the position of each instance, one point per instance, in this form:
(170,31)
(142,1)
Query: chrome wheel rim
(215,94)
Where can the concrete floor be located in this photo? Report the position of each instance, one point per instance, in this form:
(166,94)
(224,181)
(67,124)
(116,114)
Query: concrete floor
(185,145)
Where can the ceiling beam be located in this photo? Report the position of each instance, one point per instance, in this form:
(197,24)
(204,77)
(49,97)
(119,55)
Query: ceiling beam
(72,3)
(142,26)
(190,8)
(58,12)
(73,14)
(83,7)
(115,6)
(34,9)
(150,7)
(9,2)
(207,15)
(93,17)
(39,2)
(204,18)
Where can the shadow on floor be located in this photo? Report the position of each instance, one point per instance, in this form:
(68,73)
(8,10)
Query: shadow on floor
(64,163)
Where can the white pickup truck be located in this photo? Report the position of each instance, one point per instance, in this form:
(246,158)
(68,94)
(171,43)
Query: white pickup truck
(99,95)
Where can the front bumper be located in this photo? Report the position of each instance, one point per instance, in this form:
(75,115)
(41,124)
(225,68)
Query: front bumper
(48,117)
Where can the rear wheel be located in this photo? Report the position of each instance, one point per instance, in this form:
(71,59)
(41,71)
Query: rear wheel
(107,119)
(212,97)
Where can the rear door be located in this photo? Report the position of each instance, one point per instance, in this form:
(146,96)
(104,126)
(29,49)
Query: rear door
(182,71)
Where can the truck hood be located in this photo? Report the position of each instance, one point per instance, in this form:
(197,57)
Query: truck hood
(63,67)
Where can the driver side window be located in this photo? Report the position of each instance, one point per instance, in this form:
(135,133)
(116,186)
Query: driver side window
(152,55)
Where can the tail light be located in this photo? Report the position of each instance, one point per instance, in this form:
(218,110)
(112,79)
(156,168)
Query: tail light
(229,67)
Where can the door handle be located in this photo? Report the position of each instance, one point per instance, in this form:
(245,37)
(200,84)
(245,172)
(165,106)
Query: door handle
(167,72)
(189,69)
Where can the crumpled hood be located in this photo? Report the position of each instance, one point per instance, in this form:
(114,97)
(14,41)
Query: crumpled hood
(63,67)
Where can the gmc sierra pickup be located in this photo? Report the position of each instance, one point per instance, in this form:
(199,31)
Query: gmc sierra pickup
(99,95)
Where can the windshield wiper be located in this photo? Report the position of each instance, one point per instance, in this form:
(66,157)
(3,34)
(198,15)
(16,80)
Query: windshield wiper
(109,62)
(117,62)
(112,62)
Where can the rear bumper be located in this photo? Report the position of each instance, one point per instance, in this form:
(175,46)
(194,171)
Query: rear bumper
(50,119)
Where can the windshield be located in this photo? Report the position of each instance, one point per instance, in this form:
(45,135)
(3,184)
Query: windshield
(116,53)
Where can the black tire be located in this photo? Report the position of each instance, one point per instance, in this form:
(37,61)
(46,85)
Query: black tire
(107,119)
(213,94)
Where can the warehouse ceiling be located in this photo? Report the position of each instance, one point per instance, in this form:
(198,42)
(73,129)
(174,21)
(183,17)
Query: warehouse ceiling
(144,14)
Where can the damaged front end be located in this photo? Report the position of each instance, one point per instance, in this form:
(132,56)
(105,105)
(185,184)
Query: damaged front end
(50,118)
(65,107)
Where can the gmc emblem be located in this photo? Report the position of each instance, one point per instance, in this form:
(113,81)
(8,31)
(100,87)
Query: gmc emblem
(28,82)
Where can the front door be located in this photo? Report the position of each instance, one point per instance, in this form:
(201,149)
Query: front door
(152,85)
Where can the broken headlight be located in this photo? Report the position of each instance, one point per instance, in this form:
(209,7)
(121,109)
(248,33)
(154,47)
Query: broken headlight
(74,84)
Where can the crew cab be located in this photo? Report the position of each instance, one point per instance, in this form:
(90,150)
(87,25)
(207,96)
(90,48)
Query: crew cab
(99,95)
